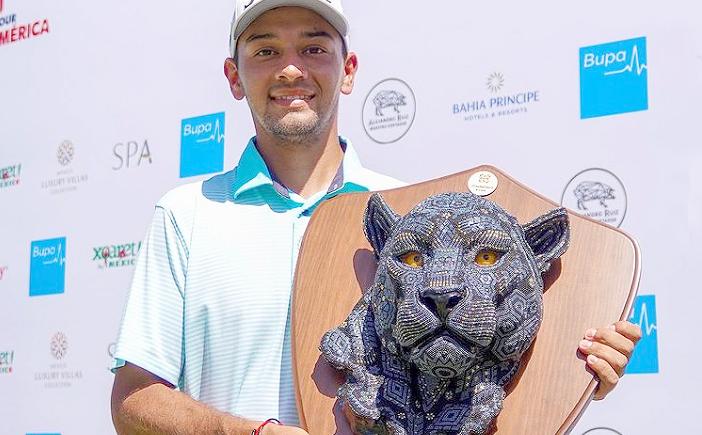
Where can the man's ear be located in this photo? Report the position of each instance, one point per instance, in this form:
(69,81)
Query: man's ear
(350,69)
(378,222)
(231,71)
(548,236)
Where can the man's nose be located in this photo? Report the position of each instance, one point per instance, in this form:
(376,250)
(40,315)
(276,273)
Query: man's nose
(293,70)
(441,303)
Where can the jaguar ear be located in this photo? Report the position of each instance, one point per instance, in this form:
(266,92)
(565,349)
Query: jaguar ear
(378,221)
(548,236)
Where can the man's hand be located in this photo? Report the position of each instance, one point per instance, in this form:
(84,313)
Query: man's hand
(608,352)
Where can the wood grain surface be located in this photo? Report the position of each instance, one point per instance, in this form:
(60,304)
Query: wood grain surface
(593,285)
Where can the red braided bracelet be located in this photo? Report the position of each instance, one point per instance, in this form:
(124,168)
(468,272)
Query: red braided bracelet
(270,420)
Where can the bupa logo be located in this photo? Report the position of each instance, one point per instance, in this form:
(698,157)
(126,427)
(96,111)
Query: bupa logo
(47,267)
(202,145)
(645,357)
(613,78)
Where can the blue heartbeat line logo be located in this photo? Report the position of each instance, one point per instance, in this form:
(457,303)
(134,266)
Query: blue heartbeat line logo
(216,134)
(630,68)
(645,357)
(59,258)
(643,321)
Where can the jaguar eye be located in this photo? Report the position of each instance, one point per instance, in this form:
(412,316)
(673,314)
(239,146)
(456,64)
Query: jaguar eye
(412,259)
(487,257)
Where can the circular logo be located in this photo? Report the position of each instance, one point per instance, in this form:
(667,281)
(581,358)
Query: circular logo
(482,183)
(495,81)
(111,349)
(596,193)
(601,431)
(65,152)
(59,345)
(388,112)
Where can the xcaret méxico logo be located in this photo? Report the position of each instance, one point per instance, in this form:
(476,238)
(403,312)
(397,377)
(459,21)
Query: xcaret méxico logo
(131,154)
(613,78)
(66,178)
(645,357)
(596,193)
(388,112)
(7,359)
(13,29)
(115,256)
(59,374)
(495,103)
(202,145)
(47,267)
(10,175)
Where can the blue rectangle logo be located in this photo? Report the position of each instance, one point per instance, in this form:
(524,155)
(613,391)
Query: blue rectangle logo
(202,145)
(47,267)
(645,357)
(613,78)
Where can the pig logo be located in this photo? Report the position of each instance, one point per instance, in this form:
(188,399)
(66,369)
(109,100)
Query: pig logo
(385,99)
(388,112)
(593,190)
(598,194)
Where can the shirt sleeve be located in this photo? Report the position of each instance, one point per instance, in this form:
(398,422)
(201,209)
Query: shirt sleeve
(151,333)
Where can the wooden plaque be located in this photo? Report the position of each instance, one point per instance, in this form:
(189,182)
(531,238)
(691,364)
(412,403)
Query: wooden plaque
(592,285)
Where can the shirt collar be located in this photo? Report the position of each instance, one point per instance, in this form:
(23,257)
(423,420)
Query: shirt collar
(252,173)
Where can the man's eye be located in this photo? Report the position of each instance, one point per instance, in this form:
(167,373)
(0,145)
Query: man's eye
(412,259)
(315,50)
(264,52)
(487,257)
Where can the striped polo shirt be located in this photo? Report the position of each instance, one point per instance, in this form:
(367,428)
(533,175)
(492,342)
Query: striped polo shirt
(209,305)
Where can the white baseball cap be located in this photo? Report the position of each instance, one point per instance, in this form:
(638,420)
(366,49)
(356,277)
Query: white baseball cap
(248,10)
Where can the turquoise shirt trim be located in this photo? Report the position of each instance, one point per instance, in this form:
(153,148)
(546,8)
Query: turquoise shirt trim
(252,173)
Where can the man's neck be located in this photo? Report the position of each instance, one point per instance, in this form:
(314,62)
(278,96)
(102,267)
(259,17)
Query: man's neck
(304,167)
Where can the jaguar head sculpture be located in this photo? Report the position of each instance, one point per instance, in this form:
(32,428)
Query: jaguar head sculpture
(455,303)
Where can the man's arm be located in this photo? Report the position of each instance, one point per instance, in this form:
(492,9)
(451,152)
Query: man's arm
(144,404)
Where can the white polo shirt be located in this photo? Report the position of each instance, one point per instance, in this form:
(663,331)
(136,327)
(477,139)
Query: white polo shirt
(209,305)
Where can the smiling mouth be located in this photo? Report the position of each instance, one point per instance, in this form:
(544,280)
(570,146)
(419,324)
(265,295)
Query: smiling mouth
(285,98)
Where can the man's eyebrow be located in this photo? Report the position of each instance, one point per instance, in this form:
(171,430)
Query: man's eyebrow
(313,34)
(256,36)
(317,34)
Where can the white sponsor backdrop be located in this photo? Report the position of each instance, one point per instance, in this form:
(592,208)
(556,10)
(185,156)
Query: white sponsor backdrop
(110,73)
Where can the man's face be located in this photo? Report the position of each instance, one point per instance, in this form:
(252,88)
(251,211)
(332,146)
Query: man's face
(291,68)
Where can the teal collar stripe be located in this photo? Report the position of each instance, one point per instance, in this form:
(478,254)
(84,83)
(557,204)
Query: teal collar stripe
(252,172)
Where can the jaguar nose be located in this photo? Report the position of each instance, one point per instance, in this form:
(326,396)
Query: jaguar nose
(441,304)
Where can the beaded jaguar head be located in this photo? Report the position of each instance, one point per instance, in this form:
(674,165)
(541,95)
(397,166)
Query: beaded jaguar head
(456,301)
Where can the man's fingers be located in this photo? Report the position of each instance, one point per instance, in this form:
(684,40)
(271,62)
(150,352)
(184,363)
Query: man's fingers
(629,330)
(611,338)
(606,354)
(608,377)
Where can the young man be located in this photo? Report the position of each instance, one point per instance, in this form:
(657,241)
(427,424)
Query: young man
(204,345)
